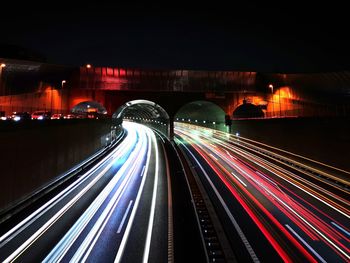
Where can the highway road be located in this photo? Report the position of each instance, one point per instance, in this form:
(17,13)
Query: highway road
(273,208)
(117,211)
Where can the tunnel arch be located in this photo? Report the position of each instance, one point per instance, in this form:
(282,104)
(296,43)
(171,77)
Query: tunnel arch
(201,111)
(247,110)
(145,112)
(90,109)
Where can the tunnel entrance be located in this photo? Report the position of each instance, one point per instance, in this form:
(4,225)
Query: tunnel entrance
(248,110)
(203,113)
(145,112)
(89,109)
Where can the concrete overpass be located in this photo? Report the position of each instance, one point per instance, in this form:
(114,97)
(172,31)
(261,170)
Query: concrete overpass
(29,86)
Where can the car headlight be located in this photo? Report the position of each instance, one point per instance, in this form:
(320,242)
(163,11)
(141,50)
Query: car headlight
(17,118)
(40,117)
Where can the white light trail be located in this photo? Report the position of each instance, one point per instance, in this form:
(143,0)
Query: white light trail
(153,205)
(137,201)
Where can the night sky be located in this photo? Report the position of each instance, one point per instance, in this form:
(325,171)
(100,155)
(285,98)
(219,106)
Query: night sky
(214,36)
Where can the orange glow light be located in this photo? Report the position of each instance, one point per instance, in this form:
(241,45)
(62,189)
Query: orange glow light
(88,66)
(286,92)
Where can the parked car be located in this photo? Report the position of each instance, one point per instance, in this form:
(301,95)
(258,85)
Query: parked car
(18,116)
(69,116)
(57,116)
(3,116)
(41,115)
(80,116)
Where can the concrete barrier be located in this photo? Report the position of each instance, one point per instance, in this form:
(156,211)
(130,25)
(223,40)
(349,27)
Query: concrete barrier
(33,153)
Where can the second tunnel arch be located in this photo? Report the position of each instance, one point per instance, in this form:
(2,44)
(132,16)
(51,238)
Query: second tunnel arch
(90,109)
(247,110)
(201,112)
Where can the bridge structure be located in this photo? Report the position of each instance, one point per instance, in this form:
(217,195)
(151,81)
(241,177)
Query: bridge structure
(29,86)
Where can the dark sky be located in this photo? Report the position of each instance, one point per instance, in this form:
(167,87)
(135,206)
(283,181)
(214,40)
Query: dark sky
(175,34)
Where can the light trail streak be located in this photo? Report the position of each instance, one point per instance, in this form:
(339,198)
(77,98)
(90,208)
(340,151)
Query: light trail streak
(170,207)
(256,219)
(341,228)
(325,200)
(137,201)
(153,205)
(250,144)
(87,245)
(224,135)
(280,196)
(135,152)
(45,227)
(81,254)
(295,165)
(280,172)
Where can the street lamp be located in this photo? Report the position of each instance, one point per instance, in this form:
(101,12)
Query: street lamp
(273,107)
(88,77)
(62,83)
(2,65)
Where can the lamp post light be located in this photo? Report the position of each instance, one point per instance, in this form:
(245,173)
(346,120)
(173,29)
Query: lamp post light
(2,65)
(88,66)
(273,107)
(62,84)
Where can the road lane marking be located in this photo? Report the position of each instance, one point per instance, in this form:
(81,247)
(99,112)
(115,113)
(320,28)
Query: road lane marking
(238,179)
(306,244)
(124,217)
(143,170)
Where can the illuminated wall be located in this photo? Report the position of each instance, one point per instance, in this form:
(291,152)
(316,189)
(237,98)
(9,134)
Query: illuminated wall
(49,100)
(106,78)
